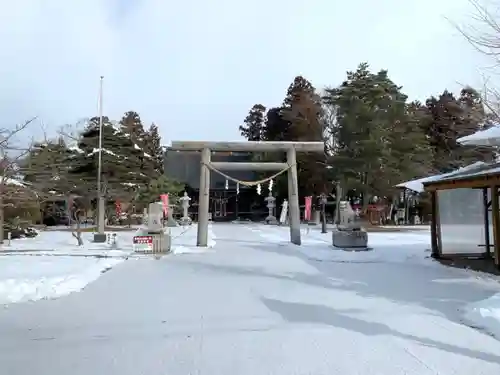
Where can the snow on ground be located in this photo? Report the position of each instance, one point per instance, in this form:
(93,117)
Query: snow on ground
(386,246)
(398,247)
(485,314)
(25,278)
(259,305)
(52,265)
(53,242)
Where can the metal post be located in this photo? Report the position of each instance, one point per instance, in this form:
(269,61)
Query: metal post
(203,201)
(293,197)
(323,213)
(237,208)
(100,237)
(486,222)
(338,194)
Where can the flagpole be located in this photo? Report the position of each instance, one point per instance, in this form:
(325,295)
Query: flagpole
(100,236)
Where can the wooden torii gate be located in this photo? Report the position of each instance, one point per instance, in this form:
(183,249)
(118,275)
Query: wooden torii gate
(206,148)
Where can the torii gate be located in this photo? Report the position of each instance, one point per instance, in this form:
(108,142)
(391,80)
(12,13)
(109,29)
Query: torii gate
(206,148)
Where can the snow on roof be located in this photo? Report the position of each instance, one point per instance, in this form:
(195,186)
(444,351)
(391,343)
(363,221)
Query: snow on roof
(418,184)
(488,137)
(486,169)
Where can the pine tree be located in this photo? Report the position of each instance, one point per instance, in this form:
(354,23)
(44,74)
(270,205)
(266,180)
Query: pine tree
(152,191)
(276,128)
(46,165)
(299,86)
(376,135)
(252,128)
(121,160)
(448,119)
(154,151)
(302,108)
(131,125)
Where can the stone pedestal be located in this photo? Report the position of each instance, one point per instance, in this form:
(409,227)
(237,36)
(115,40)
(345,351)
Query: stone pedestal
(316,218)
(100,237)
(170,218)
(152,242)
(162,243)
(350,239)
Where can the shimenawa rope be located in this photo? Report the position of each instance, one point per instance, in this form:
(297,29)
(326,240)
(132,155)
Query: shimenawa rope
(248,183)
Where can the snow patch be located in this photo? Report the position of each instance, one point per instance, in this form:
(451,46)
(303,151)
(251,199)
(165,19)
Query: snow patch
(189,250)
(96,150)
(485,314)
(51,265)
(33,278)
(11,181)
(211,237)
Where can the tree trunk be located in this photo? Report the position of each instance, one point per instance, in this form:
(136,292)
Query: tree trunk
(78,232)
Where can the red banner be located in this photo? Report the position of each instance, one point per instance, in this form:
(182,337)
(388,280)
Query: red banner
(164,200)
(307,212)
(118,207)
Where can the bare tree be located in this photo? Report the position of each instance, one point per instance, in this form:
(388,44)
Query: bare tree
(483,33)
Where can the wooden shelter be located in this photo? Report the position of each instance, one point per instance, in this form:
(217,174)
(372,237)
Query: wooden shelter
(466,213)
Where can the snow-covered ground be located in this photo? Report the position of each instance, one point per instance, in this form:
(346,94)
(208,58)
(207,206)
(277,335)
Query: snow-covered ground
(405,247)
(256,304)
(485,314)
(24,278)
(51,265)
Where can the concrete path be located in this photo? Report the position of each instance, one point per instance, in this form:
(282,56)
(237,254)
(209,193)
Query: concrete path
(252,307)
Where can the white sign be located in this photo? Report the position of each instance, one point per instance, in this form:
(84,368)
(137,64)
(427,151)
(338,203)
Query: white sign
(284,212)
(143,244)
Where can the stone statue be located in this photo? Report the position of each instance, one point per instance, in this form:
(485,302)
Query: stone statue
(152,232)
(155,217)
(349,235)
(185,199)
(347,216)
(271,204)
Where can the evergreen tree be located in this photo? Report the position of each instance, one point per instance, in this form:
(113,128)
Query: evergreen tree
(302,108)
(252,128)
(121,160)
(45,167)
(154,151)
(276,127)
(131,125)
(151,192)
(448,119)
(299,86)
(376,135)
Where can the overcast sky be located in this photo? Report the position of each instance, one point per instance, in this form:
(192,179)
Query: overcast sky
(196,67)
